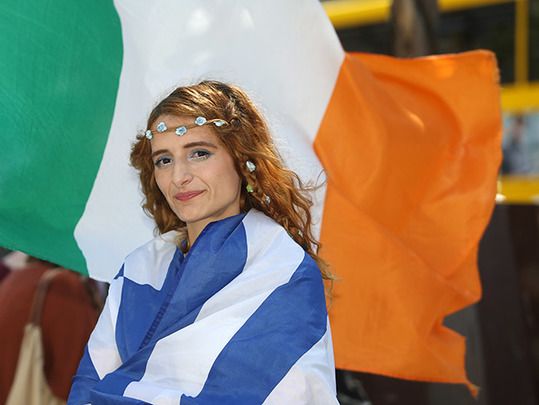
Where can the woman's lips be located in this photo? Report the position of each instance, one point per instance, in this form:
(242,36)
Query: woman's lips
(187,195)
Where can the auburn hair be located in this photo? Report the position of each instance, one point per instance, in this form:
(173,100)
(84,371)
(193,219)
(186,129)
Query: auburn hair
(277,191)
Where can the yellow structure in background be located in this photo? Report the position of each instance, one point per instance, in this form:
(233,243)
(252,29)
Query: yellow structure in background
(521,41)
(521,97)
(353,13)
(518,190)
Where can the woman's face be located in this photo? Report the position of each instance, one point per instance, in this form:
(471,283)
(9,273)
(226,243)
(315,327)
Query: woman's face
(195,173)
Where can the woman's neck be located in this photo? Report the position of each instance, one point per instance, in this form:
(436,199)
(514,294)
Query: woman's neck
(193,231)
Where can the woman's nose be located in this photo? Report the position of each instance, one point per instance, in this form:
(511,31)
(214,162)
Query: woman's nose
(182,175)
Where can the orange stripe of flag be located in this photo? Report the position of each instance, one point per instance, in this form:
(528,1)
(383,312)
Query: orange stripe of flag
(411,149)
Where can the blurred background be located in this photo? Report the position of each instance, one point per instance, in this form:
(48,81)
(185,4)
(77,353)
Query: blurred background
(502,330)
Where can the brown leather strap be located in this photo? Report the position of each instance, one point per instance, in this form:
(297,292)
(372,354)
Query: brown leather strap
(41,292)
(95,296)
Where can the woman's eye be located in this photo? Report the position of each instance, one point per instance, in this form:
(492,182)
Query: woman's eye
(162,161)
(199,155)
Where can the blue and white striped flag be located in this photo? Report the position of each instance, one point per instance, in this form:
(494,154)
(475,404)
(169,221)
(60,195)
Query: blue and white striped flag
(246,325)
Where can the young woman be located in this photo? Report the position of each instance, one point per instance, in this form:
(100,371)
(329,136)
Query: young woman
(226,305)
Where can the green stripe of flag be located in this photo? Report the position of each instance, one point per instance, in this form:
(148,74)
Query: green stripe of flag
(59,68)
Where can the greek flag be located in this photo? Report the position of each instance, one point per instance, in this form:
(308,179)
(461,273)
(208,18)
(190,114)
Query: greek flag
(241,319)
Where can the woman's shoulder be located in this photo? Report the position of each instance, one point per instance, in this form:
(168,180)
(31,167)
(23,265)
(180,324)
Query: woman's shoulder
(148,264)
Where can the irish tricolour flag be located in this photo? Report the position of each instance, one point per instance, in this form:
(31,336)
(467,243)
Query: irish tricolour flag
(407,152)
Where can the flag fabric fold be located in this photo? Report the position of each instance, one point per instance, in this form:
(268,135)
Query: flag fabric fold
(411,150)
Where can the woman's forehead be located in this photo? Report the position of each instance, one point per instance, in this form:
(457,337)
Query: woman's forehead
(169,139)
(173,121)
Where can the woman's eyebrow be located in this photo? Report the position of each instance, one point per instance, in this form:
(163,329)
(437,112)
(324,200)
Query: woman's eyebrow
(186,146)
(158,152)
(199,143)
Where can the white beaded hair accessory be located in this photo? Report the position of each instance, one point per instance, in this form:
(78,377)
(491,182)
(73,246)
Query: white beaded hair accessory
(251,167)
(182,130)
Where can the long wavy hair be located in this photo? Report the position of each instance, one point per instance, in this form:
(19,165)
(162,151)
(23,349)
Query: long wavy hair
(277,192)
